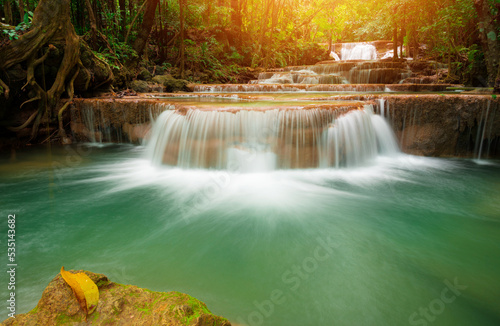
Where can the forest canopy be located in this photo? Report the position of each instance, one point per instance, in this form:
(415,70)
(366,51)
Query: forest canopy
(219,36)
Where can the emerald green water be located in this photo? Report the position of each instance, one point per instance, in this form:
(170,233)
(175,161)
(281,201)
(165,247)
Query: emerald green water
(368,246)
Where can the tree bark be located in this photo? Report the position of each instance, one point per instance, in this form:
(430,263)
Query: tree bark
(93,25)
(21,9)
(147,24)
(7,9)
(181,50)
(123,15)
(489,39)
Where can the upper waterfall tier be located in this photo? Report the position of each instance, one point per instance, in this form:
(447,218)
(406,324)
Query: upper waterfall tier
(363,50)
(354,72)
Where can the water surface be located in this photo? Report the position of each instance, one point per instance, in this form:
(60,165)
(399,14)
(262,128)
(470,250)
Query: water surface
(374,245)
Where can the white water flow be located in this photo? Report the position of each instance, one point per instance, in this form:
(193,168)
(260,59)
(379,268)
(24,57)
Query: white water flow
(334,56)
(358,51)
(257,141)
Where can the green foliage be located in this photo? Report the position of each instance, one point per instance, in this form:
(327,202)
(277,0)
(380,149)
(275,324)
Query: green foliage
(11,33)
(122,53)
(22,27)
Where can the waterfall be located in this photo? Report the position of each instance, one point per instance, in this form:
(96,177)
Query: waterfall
(358,51)
(256,141)
(481,136)
(334,56)
(100,121)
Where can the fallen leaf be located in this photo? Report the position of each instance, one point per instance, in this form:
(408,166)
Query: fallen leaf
(84,288)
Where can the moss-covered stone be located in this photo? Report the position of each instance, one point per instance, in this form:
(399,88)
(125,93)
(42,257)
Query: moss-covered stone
(162,79)
(118,305)
(176,85)
(144,74)
(140,86)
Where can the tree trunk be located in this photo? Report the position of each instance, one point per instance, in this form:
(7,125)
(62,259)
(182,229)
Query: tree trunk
(395,42)
(7,9)
(93,25)
(489,39)
(147,23)
(21,9)
(123,15)
(181,50)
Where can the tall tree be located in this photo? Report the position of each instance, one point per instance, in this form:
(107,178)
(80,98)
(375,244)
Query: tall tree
(181,50)
(123,15)
(21,9)
(147,23)
(7,9)
(93,25)
(488,29)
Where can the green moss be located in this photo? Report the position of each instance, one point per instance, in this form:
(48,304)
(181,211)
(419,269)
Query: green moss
(94,316)
(102,283)
(64,319)
(34,310)
(147,311)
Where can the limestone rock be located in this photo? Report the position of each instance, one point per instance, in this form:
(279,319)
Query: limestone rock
(118,305)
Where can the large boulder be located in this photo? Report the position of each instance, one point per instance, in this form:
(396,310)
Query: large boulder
(118,305)
(171,84)
(140,86)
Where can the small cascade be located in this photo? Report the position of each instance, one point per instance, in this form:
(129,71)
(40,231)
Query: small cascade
(339,72)
(334,56)
(358,51)
(273,88)
(484,132)
(357,138)
(101,121)
(256,141)
(303,76)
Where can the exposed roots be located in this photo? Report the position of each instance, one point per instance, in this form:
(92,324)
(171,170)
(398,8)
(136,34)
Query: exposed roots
(71,92)
(24,125)
(51,23)
(6,89)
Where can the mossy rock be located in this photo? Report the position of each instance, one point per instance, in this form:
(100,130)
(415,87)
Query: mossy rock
(171,84)
(145,75)
(162,79)
(118,305)
(139,86)
(174,85)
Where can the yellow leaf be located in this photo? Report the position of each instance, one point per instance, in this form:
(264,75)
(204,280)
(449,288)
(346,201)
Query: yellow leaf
(84,288)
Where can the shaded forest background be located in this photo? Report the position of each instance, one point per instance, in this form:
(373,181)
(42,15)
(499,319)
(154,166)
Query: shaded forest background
(64,48)
(210,40)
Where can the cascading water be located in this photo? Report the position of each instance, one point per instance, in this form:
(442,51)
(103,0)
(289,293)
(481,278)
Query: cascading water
(102,121)
(358,51)
(264,140)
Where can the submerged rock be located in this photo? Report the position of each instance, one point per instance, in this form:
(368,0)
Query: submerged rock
(118,305)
